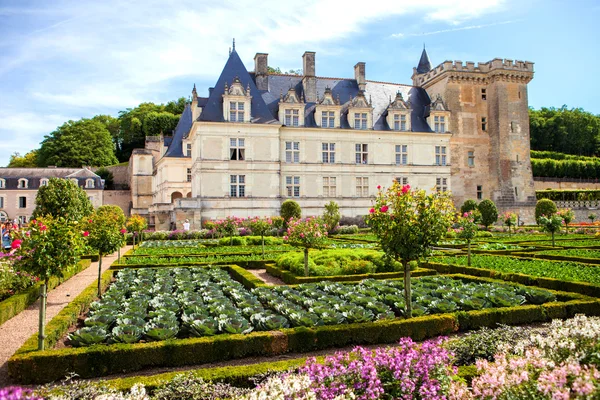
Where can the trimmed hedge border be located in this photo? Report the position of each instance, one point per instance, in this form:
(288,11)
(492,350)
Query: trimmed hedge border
(248,279)
(29,366)
(291,279)
(583,260)
(239,253)
(586,289)
(92,257)
(253,264)
(20,301)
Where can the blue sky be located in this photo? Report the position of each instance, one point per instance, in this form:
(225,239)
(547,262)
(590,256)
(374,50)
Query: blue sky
(62,60)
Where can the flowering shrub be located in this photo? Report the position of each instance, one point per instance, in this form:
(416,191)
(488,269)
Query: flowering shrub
(567,216)
(136,224)
(12,281)
(509,219)
(17,393)
(309,233)
(407,223)
(228,226)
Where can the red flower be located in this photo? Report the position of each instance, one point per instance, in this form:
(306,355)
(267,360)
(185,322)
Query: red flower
(16,244)
(371,211)
(90,221)
(378,187)
(123,231)
(43,228)
(86,234)
(384,209)
(405,188)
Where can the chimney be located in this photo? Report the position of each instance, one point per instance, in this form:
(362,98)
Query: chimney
(210,90)
(309,81)
(261,74)
(359,75)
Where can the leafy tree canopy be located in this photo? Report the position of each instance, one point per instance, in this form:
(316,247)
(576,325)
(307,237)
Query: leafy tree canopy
(277,70)
(29,160)
(62,198)
(78,143)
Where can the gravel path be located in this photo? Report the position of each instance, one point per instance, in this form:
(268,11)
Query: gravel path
(265,277)
(14,332)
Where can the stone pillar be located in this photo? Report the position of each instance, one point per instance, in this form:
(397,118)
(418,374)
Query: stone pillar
(359,75)
(309,81)
(261,73)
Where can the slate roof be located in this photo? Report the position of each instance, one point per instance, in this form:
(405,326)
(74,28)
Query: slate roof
(424,63)
(34,175)
(183,128)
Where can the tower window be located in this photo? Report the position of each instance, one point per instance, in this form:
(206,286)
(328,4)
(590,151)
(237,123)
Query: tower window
(439,123)
(471,158)
(479,192)
(237,150)
(236,111)
(484,124)
(483,94)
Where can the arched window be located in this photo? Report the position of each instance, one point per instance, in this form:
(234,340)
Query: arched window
(23,183)
(3,216)
(175,196)
(2,183)
(43,182)
(89,184)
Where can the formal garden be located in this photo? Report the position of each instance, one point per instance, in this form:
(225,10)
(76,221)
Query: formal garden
(417,300)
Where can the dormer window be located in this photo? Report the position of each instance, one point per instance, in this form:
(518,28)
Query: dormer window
(23,183)
(328,110)
(43,182)
(236,102)
(360,112)
(439,116)
(2,184)
(75,181)
(291,109)
(398,117)
(89,184)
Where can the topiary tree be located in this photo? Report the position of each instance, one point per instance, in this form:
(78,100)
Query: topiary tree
(309,234)
(290,209)
(489,212)
(567,216)
(468,205)
(331,216)
(544,207)
(408,223)
(550,224)
(62,198)
(105,235)
(509,219)
(467,230)
(46,248)
(260,226)
(136,224)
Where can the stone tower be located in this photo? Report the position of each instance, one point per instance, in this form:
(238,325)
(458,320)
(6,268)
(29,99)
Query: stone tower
(489,122)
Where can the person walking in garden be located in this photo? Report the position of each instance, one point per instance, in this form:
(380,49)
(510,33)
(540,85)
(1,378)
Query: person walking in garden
(6,236)
(186,225)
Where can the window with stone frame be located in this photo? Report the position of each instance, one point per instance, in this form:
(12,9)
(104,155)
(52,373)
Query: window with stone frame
(189,175)
(327,119)
(236,111)
(440,155)
(402,180)
(1,201)
(22,202)
(441,184)
(292,152)
(401,154)
(43,182)
(360,120)
(2,183)
(400,122)
(362,153)
(479,192)
(237,149)
(89,184)
(328,153)
(292,186)
(439,123)
(292,117)
(471,158)
(237,185)
(484,124)
(329,186)
(189,149)
(483,94)
(362,186)
(22,184)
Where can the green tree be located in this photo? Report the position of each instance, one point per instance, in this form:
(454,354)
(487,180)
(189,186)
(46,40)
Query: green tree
(290,209)
(136,224)
(310,233)
(176,107)
(47,248)
(544,207)
(107,176)
(331,216)
(407,223)
(509,219)
(468,205)
(489,212)
(260,227)
(467,230)
(62,198)
(550,223)
(104,233)
(77,143)
(567,216)
(29,160)
(156,123)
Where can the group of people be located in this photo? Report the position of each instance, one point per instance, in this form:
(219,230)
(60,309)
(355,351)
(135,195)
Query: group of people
(8,230)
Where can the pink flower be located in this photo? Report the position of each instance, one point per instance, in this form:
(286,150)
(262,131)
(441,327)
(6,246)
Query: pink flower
(16,244)
(285,238)
(465,215)
(378,187)
(43,228)
(371,211)
(302,235)
(123,231)
(384,209)
(90,221)
(405,188)
(86,234)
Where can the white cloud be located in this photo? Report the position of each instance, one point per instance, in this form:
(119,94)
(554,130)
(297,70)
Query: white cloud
(114,53)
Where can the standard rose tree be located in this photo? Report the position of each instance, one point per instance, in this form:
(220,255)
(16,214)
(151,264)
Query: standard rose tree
(407,223)
(260,226)
(46,248)
(467,229)
(309,233)
(104,233)
(509,219)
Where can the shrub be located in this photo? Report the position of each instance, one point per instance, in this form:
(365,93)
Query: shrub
(544,207)
(489,212)
(188,386)
(234,241)
(358,221)
(484,234)
(347,230)
(290,209)
(331,216)
(468,205)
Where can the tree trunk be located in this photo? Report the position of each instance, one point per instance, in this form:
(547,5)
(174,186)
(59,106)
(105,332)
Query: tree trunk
(41,332)
(468,253)
(99,274)
(119,256)
(133,237)
(407,294)
(263,244)
(552,239)
(566,228)
(231,240)
(306,261)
